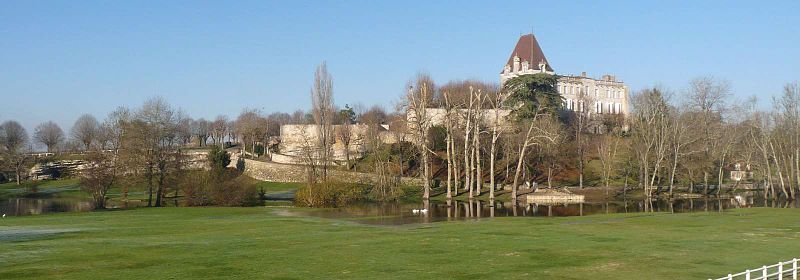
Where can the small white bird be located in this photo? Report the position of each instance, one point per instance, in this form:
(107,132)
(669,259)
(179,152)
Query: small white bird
(423,210)
(4,215)
(415,211)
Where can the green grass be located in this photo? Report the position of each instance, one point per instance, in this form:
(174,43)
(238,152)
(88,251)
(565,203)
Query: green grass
(281,243)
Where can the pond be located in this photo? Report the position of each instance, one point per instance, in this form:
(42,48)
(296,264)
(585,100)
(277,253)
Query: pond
(403,213)
(37,206)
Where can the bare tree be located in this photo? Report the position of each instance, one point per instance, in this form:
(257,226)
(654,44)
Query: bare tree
(151,147)
(581,122)
(49,134)
(706,98)
(323,112)
(86,130)
(417,101)
(650,136)
(200,130)
(607,148)
(251,128)
(99,175)
(14,147)
(184,130)
(219,129)
(498,127)
(344,133)
(680,138)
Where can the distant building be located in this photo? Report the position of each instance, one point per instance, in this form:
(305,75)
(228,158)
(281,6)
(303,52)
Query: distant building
(606,95)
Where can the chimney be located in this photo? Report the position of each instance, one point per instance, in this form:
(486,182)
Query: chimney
(583,74)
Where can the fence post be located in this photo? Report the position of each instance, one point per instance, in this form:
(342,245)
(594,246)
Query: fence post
(747,276)
(794,269)
(780,271)
(764,274)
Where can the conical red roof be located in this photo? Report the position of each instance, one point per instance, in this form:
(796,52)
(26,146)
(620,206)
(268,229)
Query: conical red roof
(528,50)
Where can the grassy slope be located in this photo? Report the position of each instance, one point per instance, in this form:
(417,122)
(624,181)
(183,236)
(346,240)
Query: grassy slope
(266,243)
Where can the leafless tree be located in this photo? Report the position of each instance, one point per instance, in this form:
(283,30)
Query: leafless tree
(323,112)
(706,98)
(607,148)
(542,129)
(14,147)
(152,147)
(200,130)
(184,130)
(219,129)
(344,134)
(86,130)
(49,134)
(650,124)
(419,95)
(251,128)
(98,177)
(580,123)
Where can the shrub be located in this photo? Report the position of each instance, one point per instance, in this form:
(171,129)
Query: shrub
(196,189)
(240,164)
(240,191)
(226,188)
(330,194)
(218,159)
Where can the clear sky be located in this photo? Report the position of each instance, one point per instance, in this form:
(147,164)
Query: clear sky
(59,59)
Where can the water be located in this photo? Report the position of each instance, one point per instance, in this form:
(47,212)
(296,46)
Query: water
(38,206)
(401,213)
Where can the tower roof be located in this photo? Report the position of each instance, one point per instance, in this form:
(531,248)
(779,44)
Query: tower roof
(528,49)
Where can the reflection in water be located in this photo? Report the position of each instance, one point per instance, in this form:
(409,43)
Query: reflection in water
(37,206)
(397,213)
(400,213)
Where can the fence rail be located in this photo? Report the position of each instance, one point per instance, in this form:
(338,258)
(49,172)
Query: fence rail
(782,270)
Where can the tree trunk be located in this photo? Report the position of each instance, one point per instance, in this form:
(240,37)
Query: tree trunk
(426,173)
(517,171)
(478,171)
(449,165)
(719,176)
(491,165)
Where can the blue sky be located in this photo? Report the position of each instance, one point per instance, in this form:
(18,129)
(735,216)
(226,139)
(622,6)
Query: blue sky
(59,59)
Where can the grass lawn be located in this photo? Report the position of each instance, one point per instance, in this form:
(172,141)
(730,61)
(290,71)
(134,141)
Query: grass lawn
(281,243)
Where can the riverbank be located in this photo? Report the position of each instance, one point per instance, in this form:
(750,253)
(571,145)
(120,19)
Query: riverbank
(280,242)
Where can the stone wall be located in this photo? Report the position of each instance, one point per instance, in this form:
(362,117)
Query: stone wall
(296,139)
(276,172)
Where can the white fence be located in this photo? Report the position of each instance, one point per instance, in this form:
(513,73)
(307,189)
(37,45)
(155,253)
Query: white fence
(782,270)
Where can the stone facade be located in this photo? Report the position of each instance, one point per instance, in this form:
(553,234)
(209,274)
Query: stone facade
(296,139)
(276,172)
(437,117)
(606,95)
(599,96)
